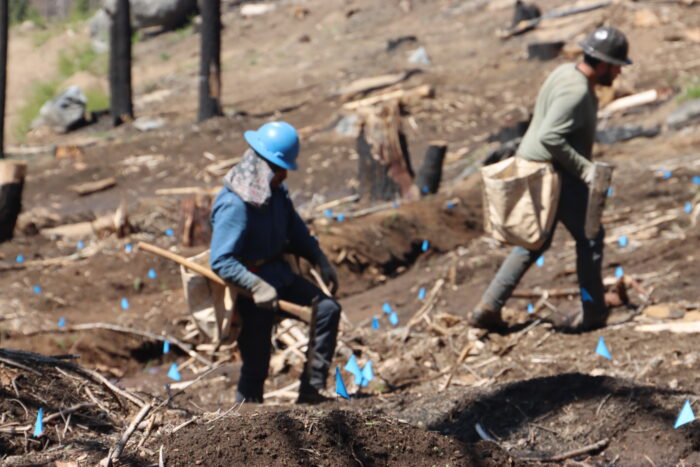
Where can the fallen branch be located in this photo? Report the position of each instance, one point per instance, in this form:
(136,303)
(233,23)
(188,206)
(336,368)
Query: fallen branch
(569,454)
(89,188)
(462,357)
(72,409)
(682,327)
(402,95)
(119,447)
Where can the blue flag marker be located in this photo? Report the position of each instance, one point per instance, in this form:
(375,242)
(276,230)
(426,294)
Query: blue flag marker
(393,319)
(450,205)
(20,258)
(609,193)
(152,273)
(696,180)
(340,218)
(619,272)
(425,245)
(125,304)
(328,213)
(340,385)
(166,347)
(61,322)
(39,425)
(530,308)
(688,207)
(425,190)
(602,349)
(622,241)
(80,245)
(421,293)
(667,174)
(686,415)
(396,204)
(540,261)
(128,248)
(37,289)
(173,373)
(169,232)
(367,373)
(375,323)
(353,368)
(386,308)
(585,296)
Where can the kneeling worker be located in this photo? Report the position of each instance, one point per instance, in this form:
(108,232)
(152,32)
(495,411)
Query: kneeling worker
(254,225)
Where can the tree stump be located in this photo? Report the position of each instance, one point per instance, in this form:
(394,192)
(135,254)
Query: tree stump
(12,175)
(430,172)
(195,226)
(384,162)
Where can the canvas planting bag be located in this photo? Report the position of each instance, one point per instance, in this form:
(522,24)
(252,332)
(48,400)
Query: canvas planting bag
(520,201)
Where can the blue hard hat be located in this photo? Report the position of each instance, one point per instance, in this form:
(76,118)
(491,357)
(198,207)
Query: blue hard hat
(278,142)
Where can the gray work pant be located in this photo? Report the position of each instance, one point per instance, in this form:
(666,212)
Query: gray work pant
(589,256)
(255,345)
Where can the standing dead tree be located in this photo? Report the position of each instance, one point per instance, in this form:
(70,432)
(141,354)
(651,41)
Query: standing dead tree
(4,25)
(210,60)
(384,163)
(121,107)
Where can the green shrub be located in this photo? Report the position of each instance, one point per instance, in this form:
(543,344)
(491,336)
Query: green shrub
(82,58)
(22,10)
(41,92)
(97,99)
(691,90)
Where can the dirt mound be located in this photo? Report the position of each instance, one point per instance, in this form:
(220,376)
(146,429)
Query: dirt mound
(318,437)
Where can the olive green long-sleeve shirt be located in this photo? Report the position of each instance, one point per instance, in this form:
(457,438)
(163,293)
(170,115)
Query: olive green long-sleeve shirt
(563,124)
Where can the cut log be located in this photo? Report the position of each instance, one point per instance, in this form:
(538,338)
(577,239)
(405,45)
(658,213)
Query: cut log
(365,85)
(12,175)
(636,100)
(195,227)
(404,96)
(430,172)
(678,327)
(89,188)
(384,162)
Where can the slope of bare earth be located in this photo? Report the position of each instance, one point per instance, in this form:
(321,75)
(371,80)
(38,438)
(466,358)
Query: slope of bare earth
(536,392)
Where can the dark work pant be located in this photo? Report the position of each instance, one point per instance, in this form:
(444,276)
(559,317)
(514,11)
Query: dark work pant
(589,256)
(255,344)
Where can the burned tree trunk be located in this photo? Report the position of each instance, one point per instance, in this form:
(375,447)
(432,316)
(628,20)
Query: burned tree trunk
(4,25)
(121,108)
(430,172)
(12,175)
(210,60)
(384,162)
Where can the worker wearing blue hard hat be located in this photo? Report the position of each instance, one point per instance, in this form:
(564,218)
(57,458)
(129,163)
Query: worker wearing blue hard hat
(254,225)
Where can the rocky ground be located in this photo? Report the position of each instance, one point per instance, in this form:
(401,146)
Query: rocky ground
(530,396)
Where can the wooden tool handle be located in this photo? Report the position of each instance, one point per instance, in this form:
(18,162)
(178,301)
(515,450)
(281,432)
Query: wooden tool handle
(301,312)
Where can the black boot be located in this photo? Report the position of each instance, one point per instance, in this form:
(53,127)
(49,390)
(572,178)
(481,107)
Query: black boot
(484,317)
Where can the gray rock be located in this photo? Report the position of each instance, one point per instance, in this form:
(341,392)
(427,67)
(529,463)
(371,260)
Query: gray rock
(146,123)
(64,112)
(348,126)
(98,26)
(687,114)
(420,57)
(167,14)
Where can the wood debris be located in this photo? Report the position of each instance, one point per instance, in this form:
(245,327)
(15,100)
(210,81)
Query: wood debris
(88,188)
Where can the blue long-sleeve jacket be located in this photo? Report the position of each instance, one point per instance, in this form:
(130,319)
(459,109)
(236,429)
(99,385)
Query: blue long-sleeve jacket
(246,234)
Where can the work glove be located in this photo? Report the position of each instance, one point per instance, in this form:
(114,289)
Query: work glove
(328,274)
(587,175)
(264,295)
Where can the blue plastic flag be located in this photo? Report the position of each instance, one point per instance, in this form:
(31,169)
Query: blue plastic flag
(80,245)
(173,373)
(686,415)
(169,232)
(622,241)
(696,180)
(166,347)
(540,261)
(152,273)
(386,308)
(20,258)
(688,207)
(353,368)
(39,425)
(375,323)
(450,205)
(393,319)
(530,308)
(396,204)
(425,245)
(602,349)
(619,272)
(61,322)
(667,174)
(367,373)
(585,296)
(609,192)
(340,218)
(340,385)
(421,293)
(125,304)
(128,248)
(328,213)
(425,190)
(37,289)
